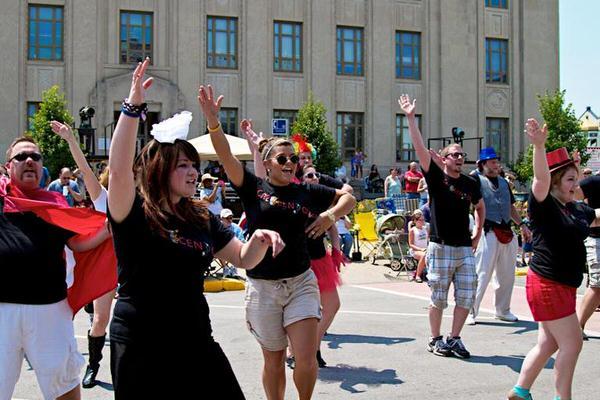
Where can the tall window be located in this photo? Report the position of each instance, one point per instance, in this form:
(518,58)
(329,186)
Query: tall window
(349,133)
(221,46)
(287,46)
(45,33)
(349,51)
(32,108)
(496,60)
(404,146)
(496,136)
(229,122)
(408,55)
(290,115)
(136,36)
(496,3)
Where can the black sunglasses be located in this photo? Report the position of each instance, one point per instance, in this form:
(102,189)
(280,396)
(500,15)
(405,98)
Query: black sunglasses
(282,160)
(24,156)
(457,155)
(313,175)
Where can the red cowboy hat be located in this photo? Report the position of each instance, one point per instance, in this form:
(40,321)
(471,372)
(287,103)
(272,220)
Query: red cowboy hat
(558,159)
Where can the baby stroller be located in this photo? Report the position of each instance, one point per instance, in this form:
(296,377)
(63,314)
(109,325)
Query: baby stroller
(393,244)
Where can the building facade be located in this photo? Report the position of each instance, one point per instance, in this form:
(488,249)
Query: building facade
(474,64)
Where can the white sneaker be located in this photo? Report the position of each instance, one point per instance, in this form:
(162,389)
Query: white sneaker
(508,317)
(470,320)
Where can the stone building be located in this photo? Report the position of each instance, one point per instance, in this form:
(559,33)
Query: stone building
(474,64)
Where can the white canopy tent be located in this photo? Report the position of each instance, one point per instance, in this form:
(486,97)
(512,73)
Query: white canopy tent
(206,151)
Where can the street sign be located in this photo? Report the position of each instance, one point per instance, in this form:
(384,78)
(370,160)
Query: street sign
(280,127)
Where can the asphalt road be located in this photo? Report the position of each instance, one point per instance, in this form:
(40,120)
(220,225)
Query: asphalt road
(375,348)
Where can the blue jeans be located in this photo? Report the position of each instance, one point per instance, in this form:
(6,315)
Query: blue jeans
(346,239)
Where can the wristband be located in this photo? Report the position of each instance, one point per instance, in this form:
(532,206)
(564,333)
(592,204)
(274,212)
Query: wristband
(216,128)
(134,111)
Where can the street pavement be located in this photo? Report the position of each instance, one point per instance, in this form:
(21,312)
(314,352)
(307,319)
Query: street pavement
(376,348)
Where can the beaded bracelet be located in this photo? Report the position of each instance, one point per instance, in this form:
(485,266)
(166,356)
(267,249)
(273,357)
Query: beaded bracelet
(134,111)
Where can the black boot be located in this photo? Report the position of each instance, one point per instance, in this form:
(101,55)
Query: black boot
(320,361)
(95,345)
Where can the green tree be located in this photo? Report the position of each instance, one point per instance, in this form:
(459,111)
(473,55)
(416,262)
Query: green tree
(55,150)
(563,131)
(312,122)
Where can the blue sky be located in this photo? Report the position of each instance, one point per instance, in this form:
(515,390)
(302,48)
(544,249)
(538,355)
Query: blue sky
(580,53)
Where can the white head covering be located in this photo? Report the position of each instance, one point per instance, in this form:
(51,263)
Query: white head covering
(176,127)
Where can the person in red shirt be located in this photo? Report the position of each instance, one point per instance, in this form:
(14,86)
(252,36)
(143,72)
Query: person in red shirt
(412,178)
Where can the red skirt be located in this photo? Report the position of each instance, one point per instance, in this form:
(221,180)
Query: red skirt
(549,300)
(326,270)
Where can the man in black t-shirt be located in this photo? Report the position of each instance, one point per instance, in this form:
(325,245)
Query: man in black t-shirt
(31,252)
(450,251)
(590,188)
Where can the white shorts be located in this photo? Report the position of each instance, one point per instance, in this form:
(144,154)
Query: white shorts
(45,333)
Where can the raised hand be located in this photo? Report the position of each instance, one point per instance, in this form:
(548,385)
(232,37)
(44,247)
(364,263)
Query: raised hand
(252,137)
(537,136)
(407,106)
(209,106)
(139,86)
(62,130)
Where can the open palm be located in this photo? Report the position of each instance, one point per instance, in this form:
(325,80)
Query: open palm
(406,105)
(137,93)
(62,130)
(537,136)
(206,97)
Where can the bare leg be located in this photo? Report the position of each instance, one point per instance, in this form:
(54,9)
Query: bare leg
(274,374)
(330,301)
(537,357)
(73,394)
(420,256)
(101,314)
(591,300)
(567,333)
(435,320)
(303,335)
(458,320)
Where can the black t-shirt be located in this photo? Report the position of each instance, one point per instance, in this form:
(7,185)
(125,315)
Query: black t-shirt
(591,190)
(287,210)
(450,202)
(161,280)
(558,235)
(32,259)
(330,181)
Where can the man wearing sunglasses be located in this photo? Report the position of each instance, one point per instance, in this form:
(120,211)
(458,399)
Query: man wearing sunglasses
(67,187)
(450,250)
(35,317)
(497,249)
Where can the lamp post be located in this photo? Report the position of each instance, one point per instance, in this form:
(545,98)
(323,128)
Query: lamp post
(86,132)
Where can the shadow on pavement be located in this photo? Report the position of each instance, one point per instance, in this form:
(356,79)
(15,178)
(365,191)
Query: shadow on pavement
(335,340)
(524,326)
(105,385)
(350,376)
(512,362)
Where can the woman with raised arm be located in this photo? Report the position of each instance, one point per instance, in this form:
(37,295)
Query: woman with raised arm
(102,305)
(560,226)
(282,296)
(164,243)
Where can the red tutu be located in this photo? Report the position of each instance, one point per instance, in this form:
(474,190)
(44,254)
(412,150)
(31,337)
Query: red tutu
(549,300)
(326,270)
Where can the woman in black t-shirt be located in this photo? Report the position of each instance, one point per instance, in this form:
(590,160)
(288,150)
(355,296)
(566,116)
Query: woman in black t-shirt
(559,227)
(164,243)
(282,298)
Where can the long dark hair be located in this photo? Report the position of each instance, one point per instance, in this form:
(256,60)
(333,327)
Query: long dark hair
(152,170)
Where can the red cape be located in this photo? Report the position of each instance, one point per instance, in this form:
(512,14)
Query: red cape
(96,270)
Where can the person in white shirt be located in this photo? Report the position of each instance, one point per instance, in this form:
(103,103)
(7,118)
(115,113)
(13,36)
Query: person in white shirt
(213,193)
(418,238)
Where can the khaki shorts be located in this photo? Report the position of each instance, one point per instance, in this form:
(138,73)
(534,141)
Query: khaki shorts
(592,246)
(272,305)
(45,333)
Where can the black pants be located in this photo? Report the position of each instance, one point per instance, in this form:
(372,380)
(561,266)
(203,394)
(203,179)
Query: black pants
(169,370)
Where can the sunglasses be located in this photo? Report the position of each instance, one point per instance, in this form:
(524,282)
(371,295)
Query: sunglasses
(24,156)
(587,173)
(457,155)
(229,218)
(282,160)
(313,175)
